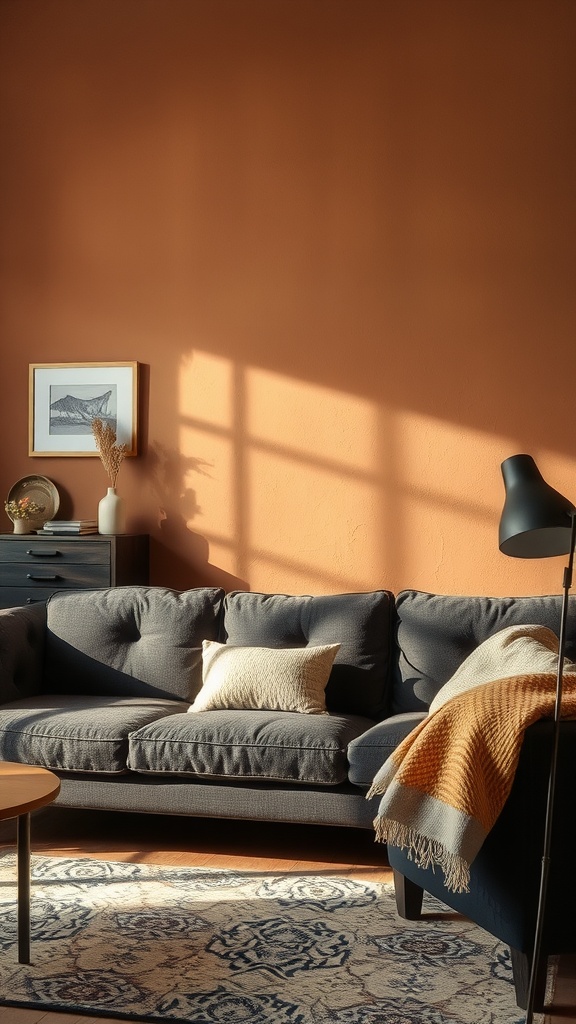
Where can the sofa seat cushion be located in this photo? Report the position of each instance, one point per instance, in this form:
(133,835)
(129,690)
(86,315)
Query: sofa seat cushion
(368,752)
(76,734)
(265,745)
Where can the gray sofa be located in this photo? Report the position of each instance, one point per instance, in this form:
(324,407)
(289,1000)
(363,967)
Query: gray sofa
(97,686)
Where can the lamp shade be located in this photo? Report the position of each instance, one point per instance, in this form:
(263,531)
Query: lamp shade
(536,520)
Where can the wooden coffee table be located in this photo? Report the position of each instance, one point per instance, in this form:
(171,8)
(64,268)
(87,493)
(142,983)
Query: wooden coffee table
(23,788)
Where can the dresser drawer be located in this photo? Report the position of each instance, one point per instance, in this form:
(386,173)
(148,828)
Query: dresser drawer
(56,575)
(31,549)
(13,597)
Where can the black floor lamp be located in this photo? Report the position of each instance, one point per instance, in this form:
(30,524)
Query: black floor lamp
(538,522)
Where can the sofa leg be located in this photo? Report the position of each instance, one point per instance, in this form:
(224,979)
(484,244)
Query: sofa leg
(409,897)
(521,975)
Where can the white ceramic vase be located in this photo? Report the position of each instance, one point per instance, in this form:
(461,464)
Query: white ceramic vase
(111,514)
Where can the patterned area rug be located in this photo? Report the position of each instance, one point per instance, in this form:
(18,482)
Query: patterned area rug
(205,946)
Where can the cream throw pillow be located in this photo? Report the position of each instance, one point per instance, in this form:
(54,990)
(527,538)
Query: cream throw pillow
(264,678)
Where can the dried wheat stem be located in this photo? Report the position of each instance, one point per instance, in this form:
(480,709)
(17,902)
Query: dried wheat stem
(111,453)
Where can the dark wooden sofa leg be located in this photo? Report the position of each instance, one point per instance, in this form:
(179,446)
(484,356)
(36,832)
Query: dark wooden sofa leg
(409,897)
(521,975)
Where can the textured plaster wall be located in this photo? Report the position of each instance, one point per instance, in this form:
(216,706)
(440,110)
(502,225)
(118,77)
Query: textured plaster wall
(340,238)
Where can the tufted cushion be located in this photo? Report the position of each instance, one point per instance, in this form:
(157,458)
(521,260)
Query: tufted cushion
(360,623)
(76,734)
(22,632)
(264,745)
(129,641)
(437,632)
(513,651)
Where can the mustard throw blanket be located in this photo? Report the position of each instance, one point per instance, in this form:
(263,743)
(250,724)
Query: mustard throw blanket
(445,785)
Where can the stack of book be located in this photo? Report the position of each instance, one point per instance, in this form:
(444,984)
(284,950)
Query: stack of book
(70,526)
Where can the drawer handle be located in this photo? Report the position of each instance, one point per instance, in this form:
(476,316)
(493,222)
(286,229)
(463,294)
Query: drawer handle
(42,579)
(43,554)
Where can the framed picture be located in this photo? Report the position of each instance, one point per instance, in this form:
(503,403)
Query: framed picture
(66,397)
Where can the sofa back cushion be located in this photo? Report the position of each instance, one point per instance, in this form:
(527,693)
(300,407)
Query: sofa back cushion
(360,623)
(130,641)
(435,633)
(22,633)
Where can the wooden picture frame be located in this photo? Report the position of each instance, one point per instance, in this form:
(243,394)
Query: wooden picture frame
(64,398)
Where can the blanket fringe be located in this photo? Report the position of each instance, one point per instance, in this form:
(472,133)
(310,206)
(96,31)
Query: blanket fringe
(426,853)
(380,784)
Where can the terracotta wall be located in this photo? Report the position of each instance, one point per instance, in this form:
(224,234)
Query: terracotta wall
(340,238)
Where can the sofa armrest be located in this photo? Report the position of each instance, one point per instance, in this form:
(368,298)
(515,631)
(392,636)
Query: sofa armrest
(505,874)
(22,638)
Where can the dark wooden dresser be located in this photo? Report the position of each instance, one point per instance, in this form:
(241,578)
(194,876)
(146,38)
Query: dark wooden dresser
(32,567)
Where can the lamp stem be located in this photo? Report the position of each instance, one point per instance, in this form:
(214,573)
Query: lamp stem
(534,967)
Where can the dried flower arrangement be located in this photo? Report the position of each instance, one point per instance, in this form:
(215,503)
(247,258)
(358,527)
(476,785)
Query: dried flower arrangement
(111,453)
(23,508)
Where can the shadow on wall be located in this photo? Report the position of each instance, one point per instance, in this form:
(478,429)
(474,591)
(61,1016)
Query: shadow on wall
(179,557)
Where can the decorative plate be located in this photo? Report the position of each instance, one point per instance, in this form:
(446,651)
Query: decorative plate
(39,489)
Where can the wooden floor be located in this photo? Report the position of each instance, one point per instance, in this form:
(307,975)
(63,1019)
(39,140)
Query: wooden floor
(219,844)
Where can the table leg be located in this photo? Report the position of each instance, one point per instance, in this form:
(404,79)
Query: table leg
(23,846)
